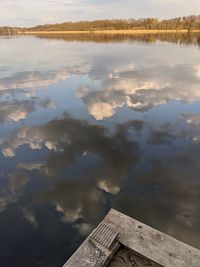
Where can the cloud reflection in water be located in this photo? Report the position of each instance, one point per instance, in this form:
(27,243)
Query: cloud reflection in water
(89,126)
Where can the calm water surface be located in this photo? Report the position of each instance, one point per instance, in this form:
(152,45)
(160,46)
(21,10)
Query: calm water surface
(86,125)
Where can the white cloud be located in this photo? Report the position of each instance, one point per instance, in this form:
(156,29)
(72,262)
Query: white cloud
(142,89)
(30,217)
(33,80)
(30,166)
(101,111)
(106,186)
(8,153)
(28,12)
(69,216)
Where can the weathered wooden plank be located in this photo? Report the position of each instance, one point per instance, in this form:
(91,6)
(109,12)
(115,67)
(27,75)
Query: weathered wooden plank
(104,235)
(152,244)
(97,249)
(128,258)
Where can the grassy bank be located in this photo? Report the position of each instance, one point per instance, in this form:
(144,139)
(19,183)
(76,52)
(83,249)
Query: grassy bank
(110,32)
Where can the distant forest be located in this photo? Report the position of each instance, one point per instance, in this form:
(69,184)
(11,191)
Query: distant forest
(189,23)
(8,30)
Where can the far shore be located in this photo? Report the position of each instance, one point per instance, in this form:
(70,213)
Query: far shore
(114,32)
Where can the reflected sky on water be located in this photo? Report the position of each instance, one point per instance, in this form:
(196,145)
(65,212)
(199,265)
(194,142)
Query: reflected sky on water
(90,124)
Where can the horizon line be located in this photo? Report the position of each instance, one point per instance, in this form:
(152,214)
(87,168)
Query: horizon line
(93,20)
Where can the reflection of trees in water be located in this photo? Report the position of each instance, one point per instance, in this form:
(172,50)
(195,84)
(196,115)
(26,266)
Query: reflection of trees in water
(198,40)
(183,38)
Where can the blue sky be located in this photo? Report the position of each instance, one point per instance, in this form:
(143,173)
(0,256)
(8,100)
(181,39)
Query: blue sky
(29,12)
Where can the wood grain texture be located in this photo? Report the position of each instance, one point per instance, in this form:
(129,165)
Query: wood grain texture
(128,258)
(152,244)
(97,249)
(105,235)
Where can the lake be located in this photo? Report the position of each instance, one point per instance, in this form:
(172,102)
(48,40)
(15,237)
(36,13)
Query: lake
(89,123)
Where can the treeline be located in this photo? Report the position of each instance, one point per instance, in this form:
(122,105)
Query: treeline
(8,30)
(189,23)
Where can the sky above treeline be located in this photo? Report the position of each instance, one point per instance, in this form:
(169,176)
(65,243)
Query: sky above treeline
(34,12)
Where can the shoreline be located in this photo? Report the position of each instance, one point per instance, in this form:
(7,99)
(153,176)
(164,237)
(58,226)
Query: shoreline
(114,32)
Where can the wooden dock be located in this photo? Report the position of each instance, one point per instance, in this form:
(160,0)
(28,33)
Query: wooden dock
(120,241)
